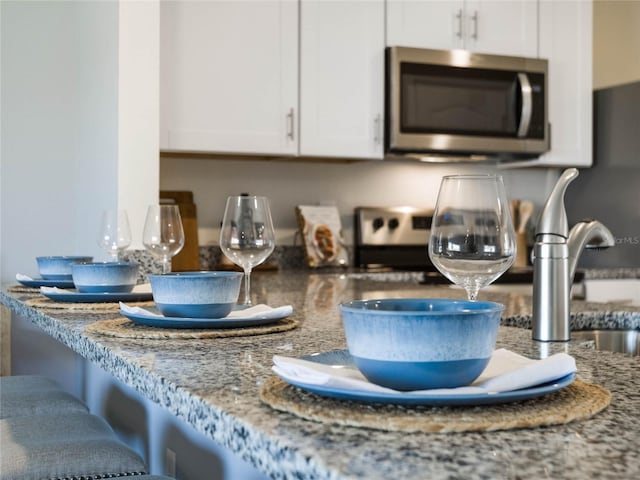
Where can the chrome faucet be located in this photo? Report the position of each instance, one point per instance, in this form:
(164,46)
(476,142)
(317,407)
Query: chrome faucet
(555,256)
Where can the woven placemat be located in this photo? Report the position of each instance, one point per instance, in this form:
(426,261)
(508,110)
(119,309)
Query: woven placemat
(125,328)
(71,307)
(578,401)
(23,289)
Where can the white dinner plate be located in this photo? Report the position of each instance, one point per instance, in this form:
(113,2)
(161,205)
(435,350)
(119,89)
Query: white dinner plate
(342,359)
(38,282)
(140,293)
(154,319)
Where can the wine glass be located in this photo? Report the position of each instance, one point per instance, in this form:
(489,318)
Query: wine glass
(114,234)
(247,237)
(472,238)
(163,234)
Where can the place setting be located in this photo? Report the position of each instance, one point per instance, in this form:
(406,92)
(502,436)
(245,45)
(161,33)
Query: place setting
(204,301)
(54,272)
(97,286)
(78,283)
(204,304)
(431,365)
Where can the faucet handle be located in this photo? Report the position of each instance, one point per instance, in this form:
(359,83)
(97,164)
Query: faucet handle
(553,218)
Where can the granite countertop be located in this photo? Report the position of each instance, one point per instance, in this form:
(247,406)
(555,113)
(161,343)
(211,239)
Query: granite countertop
(213,385)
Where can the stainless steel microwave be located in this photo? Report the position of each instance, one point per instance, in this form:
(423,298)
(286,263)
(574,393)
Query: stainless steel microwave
(446,105)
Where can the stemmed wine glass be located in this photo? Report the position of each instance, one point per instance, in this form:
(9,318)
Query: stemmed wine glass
(472,238)
(163,234)
(114,234)
(247,237)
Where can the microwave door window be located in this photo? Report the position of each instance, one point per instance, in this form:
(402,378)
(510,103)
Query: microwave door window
(454,104)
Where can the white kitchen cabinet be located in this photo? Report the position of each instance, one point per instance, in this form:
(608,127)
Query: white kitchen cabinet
(229,76)
(502,27)
(342,78)
(566,41)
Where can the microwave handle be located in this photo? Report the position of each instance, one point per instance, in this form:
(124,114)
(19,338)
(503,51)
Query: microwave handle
(527,104)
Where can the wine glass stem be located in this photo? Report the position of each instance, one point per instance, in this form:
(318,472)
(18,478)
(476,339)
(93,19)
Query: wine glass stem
(472,293)
(166,265)
(247,286)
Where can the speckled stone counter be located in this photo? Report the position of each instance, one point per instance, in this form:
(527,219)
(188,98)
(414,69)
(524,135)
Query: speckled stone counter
(213,385)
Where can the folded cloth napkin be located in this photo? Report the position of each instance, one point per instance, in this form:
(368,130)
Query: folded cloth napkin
(142,288)
(505,372)
(257,311)
(23,278)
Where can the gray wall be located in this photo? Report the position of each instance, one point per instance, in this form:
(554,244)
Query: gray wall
(610,190)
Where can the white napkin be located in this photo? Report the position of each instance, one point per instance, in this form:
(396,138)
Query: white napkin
(142,288)
(506,371)
(46,290)
(23,278)
(257,311)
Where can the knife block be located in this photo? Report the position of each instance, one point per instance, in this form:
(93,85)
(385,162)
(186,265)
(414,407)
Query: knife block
(522,250)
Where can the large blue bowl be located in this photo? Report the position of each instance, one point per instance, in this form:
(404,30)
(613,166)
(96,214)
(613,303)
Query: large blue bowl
(196,294)
(58,267)
(105,277)
(419,344)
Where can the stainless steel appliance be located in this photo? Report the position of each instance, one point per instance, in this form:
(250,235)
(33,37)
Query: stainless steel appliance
(446,105)
(393,237)
(397,238)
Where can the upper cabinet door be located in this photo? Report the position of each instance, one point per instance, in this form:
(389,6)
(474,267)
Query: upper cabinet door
(341,78)
(566,38)
(228,74)
(437,24)
(502,27)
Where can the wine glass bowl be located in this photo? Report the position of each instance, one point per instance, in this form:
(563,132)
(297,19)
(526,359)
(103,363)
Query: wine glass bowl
(163,234)
(114,234)
(247,236)
(472,238)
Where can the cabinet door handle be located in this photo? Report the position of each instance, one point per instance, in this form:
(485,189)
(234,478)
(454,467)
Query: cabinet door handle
(377,129)
(474,20)
(459,18)
(290,125)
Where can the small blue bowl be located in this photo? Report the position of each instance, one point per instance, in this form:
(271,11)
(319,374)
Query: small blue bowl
(58,267)
(420,344)
(105,277)
(196,294)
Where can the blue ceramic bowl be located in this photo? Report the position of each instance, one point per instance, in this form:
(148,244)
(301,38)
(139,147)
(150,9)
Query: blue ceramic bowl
(196,294)
(418,344)
(105,277)
(58,267)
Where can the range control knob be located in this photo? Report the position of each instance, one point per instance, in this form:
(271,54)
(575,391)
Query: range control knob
(378,223)
(393,223)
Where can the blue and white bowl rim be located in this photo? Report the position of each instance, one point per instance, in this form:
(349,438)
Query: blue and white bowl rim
(200,274)
(107,264)
(63,257)
(468,306)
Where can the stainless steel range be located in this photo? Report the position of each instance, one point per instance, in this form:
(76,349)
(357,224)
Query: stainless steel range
(394,237)
(397,238)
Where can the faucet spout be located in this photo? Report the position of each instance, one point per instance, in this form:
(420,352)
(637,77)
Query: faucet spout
(553,219)
(587,234)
